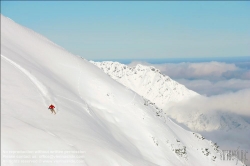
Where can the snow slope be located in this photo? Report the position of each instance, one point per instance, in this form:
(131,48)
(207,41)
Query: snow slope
(98,120)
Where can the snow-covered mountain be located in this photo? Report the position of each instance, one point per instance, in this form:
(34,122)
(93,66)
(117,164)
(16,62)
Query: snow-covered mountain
(227,129)
(148,82)
(98,120)
(166,93)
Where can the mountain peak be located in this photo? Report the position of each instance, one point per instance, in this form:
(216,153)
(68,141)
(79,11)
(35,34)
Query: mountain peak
(147,81)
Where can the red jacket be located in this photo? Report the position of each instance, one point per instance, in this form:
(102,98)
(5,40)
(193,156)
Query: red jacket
(51,107)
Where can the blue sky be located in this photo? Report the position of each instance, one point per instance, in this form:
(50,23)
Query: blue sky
(139,30)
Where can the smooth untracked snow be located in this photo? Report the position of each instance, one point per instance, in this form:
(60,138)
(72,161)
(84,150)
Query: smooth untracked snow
(107,123)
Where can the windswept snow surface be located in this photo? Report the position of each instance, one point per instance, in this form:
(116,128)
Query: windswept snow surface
(98,120)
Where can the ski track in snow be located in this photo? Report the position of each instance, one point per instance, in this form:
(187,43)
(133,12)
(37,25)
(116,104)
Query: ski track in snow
(32,78)
(79,78)
(78,83)
(72,100)
(84,104)
(78,87)
(38,84)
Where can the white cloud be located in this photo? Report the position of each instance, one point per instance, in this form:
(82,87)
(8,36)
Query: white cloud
(237,102)
(208,88)
(205,113)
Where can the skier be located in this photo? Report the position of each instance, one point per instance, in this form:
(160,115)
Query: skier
(51,107)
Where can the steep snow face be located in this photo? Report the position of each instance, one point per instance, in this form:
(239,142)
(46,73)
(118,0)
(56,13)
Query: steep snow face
(148,82)
(97,118)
